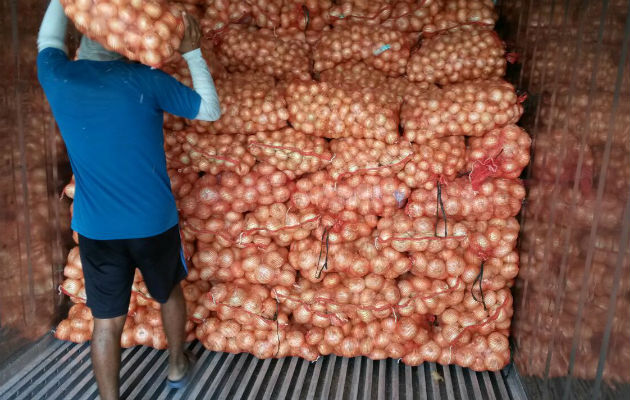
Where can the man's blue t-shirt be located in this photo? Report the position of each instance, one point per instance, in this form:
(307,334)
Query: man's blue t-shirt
(110,114)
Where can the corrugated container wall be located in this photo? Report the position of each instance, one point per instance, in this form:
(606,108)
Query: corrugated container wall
(572,306)
(34,220)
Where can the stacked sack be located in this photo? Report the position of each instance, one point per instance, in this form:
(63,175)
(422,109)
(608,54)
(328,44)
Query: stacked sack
(570,248)
(343,203)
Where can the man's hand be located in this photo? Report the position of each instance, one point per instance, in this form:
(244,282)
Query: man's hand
(192,34)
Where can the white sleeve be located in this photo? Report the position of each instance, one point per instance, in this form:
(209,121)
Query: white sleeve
(209,109)
(52,32)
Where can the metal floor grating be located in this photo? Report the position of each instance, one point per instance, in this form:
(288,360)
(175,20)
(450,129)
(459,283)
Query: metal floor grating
(62,370)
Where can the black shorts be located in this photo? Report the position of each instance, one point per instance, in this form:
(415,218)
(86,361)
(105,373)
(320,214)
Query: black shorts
(109,267)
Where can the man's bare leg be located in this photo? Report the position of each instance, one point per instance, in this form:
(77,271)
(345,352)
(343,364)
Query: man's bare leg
(105,349)
(174,321)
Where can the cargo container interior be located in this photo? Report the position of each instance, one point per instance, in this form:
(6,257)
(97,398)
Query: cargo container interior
(570,336)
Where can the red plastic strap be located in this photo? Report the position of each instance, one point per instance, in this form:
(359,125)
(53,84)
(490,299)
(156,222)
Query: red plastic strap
(511,57)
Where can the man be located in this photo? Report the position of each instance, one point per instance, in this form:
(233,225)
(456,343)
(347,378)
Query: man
(110,114)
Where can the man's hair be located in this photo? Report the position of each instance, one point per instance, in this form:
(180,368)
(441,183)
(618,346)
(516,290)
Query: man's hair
(94,51)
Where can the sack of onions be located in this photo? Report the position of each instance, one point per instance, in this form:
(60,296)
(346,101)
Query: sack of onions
(500,153)
(412,15)
(148,31)
(216,153)
(174,123)
(313,258)
(181,183)
(484,315)
(233,337)
(78,326)
(338,300)
(366,12)
(423,234)
(436,160)
(250,103)
(495,198)
(463,14)
(364,194)
(248,49)
(426,296)
(392,337)
(344,227)
(483,352)
(305,15)
(367,157)
(290,151)
(458,55)
(279,222)
(357,74)
(249,304)
(332,111)
(379,47)
(498,272)
(462,109)
(493,238)
(441,265)
(250,265)
(220,13)
(223,229)
(230,192)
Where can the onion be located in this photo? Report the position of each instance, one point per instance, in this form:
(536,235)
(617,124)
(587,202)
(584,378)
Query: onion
(458,55)
(121,17)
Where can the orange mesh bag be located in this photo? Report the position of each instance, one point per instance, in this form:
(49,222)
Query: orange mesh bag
(181,182)
(412,15)
(290,151)
(230,192)
(436,160)
(344,227)
(220,13)
(463,13)
(280,223)
(148,31)
(267,266)
(230,335)
(367,157)
(250,102)
(462,109)
(214,153)
(376,46)
(261,51)
(424,234)
(305,15)
(458,55)
(365,194)
(325,110)
(315,258)
(500,153)
(495,198)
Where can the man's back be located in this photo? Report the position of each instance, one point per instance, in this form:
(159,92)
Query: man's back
(110,114)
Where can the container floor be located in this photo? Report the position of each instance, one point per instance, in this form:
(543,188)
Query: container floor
(52,369)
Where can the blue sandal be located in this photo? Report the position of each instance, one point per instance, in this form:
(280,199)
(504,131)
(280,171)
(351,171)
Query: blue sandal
(183,381)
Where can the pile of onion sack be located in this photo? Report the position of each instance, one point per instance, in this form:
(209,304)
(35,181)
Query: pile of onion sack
(358,194)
